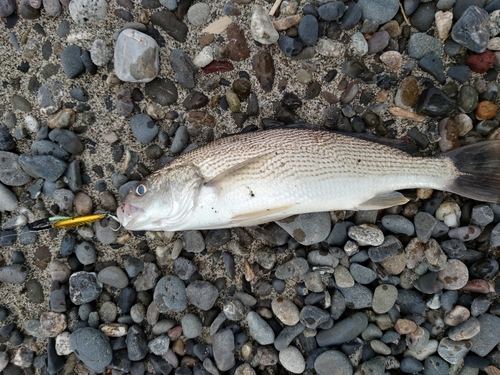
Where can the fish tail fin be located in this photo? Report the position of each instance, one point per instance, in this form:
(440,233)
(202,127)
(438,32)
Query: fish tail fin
(479,171)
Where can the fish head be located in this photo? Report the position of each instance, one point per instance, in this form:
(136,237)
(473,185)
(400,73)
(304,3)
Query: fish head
(162,201)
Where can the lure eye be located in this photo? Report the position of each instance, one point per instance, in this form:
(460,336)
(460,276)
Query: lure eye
(140,189)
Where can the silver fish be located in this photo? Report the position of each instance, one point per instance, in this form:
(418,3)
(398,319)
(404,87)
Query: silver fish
(250,179)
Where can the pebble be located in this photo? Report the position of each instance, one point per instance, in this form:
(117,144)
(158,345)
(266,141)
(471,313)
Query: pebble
(84,287)
(71,61)
(488,337)
(433,65)
(259,329)
(237,47)
(193,241)
(184,68)
(136,57)
(7,7)
(292,360)
(378,41)
(466,330)
(287,335)
(263,65)
(308,229)
(333,359)
(223,346)
(198,13)
(14,274)
(113,276)
(88,11)
(171,24)
(68,140)
(170,294)
(137,343)
(366,235)
(360,45)
(485,269)
(162,91)
(421,44)
(343,331)
(202,294)
(472,29)
(143,128)
(434,102)
(378,11)
(293,268)
(262,27)
(191,326)
(285,310)
(92,348)
(384,298)
(8,200)
(331,11)
(11,172)
(159,345)
(308,30)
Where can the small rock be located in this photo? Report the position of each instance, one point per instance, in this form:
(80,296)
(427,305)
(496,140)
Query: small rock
(92,348)
(292,360)
(472,29)
(259,329)
(202,294)
(170,294)
(308,229)
(262,27)
(88,11)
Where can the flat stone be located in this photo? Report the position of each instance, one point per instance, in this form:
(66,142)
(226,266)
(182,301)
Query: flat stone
(92,348)
(259,329)
(489,335)
(169,22)
(223,347)
(333,359)
(170,294)
(136,57)
(379,11)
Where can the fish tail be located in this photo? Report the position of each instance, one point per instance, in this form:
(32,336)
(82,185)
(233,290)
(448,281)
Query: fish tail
(479,171)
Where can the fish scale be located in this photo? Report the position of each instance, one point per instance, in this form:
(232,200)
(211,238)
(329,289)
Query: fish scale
(249,179)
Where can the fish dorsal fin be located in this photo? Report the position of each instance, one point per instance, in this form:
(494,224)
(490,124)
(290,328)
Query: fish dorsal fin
(262,216)
(383,200)
(218,179)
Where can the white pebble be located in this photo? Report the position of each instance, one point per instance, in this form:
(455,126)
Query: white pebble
(262,27)
(443,20)
(62,344)
(32,124)
(204,57)
(494,44)
(449,212)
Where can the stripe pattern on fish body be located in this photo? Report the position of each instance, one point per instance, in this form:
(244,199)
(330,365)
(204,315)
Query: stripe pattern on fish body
(253,178)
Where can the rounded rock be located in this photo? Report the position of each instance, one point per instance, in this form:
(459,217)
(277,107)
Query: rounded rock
(92,348)
(292,360)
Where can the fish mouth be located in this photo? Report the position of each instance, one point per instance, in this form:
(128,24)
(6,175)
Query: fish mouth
(131,217)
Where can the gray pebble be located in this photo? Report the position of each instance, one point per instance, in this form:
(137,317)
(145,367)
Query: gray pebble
(169,22)
(292,360)
(46,147)
(234,310)
(343,331)
(292,268)
(143,128)
(52,7)
(14,274)
(113,276)
(137,343)
(308,30)
(170,294)
(191,326)
(161,91)
(410,302)
(198,13)
(424,226)
(259,329)
(472,29)
(421,44)
(435,365)
(333,359)
(84,287)
(358,296)
(159,345)
(71,61)
(7,7)
(193,241)
(106,230)
(308,229)
(20,103)
(180,141)
(86,253)
(398,224)
(287,335)
(482,215)
(389,248)
(384,298)
(223,347)
(64,198)
(184,68)
(146,280)
(11,173)
(91,347)
(322,258)
(312,316)
(362,274)
(42,166)
(67,140)
(88,11)
(169,4)
(133,266)
(379,11)
(202,294)
(489,335)
(8,201)
(184,268)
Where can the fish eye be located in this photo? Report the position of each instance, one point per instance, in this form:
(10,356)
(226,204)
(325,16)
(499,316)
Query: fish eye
(140,189)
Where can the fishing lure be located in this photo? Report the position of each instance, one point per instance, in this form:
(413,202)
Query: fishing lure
(64,222)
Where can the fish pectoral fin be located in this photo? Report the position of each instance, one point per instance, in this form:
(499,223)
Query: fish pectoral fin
(383,200)
(272,212)
(217,180)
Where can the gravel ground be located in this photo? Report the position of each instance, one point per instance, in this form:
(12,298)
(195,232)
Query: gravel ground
(410,289)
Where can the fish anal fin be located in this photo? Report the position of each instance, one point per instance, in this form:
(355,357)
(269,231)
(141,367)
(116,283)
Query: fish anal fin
(267,214)
(216,180)
(383,200)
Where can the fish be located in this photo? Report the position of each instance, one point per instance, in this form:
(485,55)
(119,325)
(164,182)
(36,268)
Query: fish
(262,176)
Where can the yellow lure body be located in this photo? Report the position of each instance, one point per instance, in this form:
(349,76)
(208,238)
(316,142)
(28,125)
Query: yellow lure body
(78,221)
